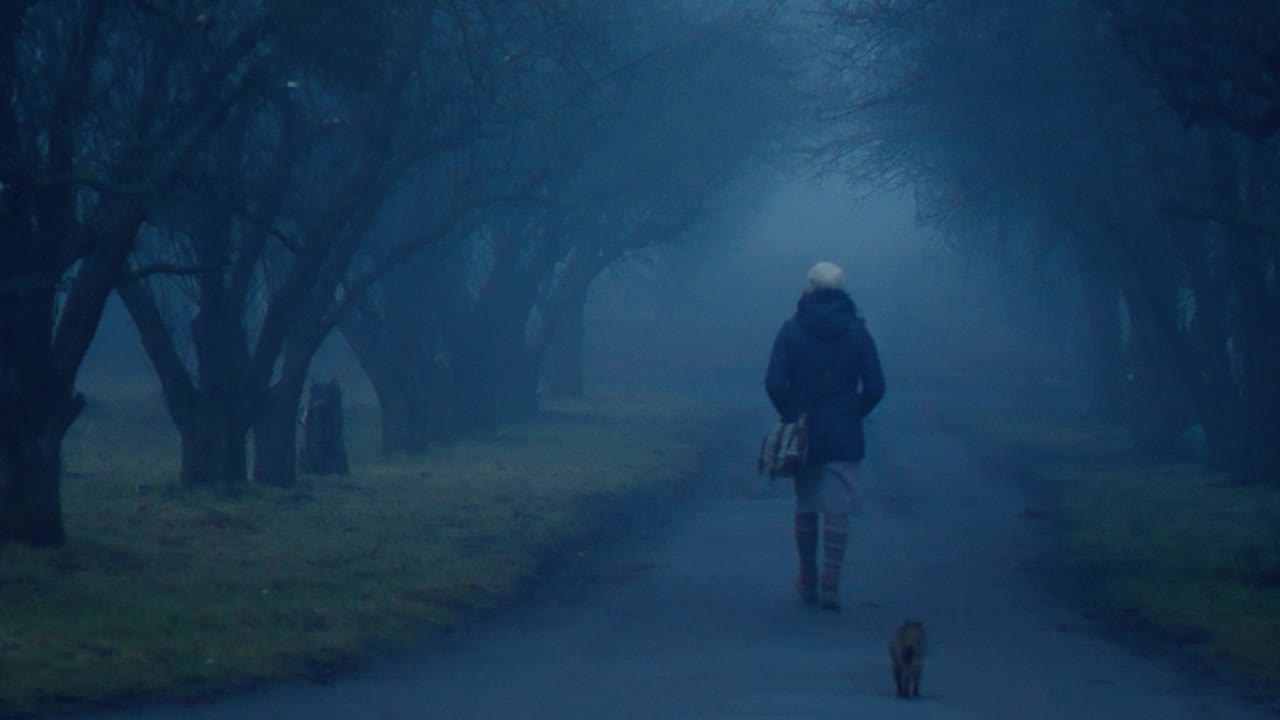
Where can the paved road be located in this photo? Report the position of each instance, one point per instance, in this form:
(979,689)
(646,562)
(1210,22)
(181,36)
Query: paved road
(698,619)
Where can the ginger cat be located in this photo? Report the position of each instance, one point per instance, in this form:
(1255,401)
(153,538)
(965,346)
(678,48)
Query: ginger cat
(907,650)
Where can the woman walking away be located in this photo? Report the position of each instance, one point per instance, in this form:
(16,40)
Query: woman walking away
(824,364)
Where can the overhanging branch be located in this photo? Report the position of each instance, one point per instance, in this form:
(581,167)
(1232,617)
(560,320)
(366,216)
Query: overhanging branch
(168,268)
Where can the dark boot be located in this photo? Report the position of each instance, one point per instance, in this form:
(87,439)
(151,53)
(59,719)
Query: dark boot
(807,544)
(835,537)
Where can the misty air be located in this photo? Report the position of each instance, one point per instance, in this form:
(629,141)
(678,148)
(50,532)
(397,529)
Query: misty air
(399,359)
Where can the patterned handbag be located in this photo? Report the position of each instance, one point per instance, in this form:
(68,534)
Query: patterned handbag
(785,449)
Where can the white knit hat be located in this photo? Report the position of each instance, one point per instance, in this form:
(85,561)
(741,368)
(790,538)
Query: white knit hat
(824,276)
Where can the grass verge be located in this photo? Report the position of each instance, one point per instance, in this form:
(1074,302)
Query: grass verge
(1165,542)
(166,591)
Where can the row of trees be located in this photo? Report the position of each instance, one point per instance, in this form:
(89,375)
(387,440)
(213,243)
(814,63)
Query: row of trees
(439,181)
(1132,141)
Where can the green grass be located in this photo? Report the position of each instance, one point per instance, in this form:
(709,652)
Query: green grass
(1170,542)
(167,590)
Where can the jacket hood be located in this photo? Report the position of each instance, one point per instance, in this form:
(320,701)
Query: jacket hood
(826,313)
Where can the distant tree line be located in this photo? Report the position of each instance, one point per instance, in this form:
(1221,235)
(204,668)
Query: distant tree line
(439,181)
(1134,141)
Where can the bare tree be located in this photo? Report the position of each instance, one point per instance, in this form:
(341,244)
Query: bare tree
(1037,116)
(277,231)
(673,117)
(102,107)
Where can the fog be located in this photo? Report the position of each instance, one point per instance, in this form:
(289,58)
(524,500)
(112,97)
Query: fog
(707,314)
(410,359)
(700,318)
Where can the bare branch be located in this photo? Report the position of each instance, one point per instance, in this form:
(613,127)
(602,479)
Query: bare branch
(173,269)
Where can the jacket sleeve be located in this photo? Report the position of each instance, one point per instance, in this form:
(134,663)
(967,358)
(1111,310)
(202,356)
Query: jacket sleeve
(777,381)
(870,377)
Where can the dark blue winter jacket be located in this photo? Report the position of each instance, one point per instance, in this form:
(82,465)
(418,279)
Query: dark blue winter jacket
(824,363)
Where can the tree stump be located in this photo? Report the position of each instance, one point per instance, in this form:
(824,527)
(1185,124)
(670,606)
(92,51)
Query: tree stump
(324,450)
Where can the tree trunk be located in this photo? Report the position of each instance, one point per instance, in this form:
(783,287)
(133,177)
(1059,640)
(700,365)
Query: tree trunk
(411,385)
(324,448)
(1219,407)
(481,360)
(210,406)
(37,407)
(1262,410)
(493,382)
(30,495)
(1258,349)
(1172,385)
(275,426)
(492,378)
(409,416)
(518,386)
(1159,406)
(1102,301)
(475,393)
(1256,340)
(564,361)
(275,443)
(214,442)
(404,429)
